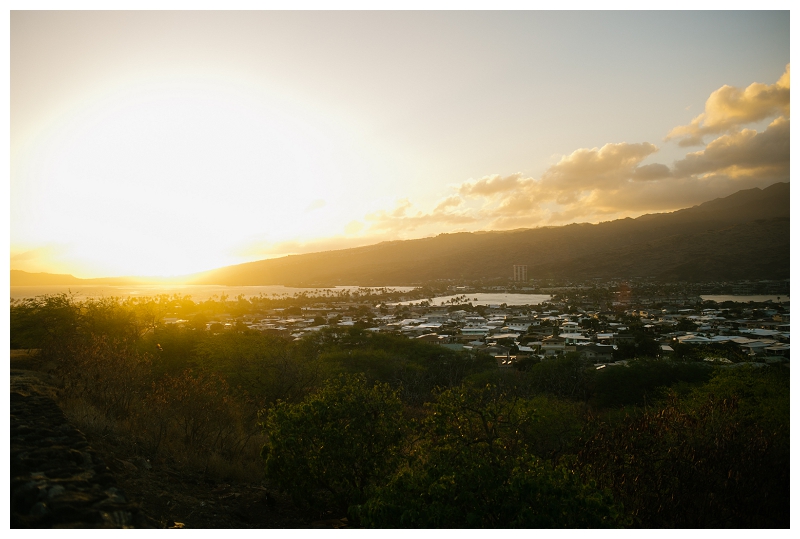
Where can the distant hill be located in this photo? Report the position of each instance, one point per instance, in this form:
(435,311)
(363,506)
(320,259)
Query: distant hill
(24,278)
(742,236)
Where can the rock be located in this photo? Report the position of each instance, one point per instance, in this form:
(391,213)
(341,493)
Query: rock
(55,492)
(57,481)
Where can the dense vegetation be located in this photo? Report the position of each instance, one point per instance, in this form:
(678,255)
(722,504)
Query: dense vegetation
(398,433)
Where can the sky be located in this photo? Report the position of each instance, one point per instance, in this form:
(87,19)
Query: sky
(171,142)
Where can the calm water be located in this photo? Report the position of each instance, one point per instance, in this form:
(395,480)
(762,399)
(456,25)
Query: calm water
(197,292)
(204,292)
(477,298)
(747,299)
(536,299)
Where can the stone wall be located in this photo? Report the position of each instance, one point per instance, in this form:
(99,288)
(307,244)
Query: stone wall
(57,480)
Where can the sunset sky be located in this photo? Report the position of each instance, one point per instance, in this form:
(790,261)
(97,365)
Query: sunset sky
(166,143)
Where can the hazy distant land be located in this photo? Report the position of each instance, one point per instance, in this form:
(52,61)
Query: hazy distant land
(742,236)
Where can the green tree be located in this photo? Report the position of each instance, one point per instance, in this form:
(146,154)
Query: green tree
(44,322)
(336,443)
(643,381)
(566,377)
(267,367)
(473,468)
(686,325)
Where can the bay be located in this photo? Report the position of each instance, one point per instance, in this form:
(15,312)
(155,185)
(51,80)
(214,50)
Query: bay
(197,292)
(481,298)
(746,299)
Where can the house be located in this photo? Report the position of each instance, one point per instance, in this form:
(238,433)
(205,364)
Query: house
(623,338)
(693,339)
(432,338)
(778,350)
(598,353)
(525,351)
(553,345)
(521,325)
(498,350)
(475,331)
(605,337)
(437,318)
(570,327)
(574,338)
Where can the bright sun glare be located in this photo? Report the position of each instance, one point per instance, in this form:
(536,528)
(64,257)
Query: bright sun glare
(159,143)
(155,177)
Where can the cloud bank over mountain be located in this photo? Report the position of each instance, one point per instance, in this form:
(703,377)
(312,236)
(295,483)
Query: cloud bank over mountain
(615,180)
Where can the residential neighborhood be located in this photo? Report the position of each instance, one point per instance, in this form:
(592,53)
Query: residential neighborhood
(607,324)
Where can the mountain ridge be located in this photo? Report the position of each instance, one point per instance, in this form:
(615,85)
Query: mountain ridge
(742,236)
(466,255)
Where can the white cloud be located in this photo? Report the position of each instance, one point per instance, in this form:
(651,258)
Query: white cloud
(493,185)
(746,152)
(729,108)
(612,181)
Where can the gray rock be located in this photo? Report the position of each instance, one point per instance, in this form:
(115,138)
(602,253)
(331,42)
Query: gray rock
(55,492)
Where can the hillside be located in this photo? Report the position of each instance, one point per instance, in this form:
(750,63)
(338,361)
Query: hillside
(25,278)
(742,236)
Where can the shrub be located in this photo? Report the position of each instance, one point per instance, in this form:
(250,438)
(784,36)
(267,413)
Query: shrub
(199,406)
(47,322)
(336,443)
(269,368)
(717,458)
(643,381)
(473,468)
(566,377)
(109,374)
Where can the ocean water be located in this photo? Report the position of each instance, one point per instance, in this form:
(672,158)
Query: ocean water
(197,292)
(204,292)
(477,298)
(746,299)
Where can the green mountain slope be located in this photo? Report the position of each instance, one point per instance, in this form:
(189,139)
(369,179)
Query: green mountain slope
(745,235)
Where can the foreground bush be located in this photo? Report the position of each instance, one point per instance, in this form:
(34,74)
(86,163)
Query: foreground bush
(196,412)
(644,380)
(473,469)
(336,443)
(109,374)
(191,419)
(716,459)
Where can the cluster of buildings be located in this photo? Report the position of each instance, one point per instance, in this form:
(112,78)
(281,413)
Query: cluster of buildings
(764,336)
(759,332)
